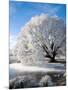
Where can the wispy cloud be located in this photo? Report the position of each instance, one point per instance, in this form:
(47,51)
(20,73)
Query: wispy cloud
(54,11)
(13,40)
(12,9)
(48,9)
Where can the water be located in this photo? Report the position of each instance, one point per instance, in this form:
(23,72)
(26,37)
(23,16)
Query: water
(17,69)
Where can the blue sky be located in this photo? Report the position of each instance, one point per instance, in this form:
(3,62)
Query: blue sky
(21,12)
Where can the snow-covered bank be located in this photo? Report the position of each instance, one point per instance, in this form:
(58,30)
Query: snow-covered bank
(17,69)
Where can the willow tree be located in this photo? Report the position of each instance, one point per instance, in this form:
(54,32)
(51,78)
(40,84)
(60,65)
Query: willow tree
(43,36)
(52,37)
(53,51)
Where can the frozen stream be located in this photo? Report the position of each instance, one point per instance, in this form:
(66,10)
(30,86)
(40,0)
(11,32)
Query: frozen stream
(17,69)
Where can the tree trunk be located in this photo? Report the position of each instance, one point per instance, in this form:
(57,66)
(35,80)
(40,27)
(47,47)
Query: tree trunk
(52,59)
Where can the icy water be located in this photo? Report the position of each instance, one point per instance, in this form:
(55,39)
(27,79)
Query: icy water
(17,69)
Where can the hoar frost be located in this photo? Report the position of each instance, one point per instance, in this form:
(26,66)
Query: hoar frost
(40,29)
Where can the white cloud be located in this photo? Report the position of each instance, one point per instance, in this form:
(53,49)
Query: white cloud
(13,40)
(53,11)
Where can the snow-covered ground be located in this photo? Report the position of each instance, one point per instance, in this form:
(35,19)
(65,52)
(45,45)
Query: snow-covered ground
(17,69)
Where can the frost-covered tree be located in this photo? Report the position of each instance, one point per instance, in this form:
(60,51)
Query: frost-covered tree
(43,36)
(53,51)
